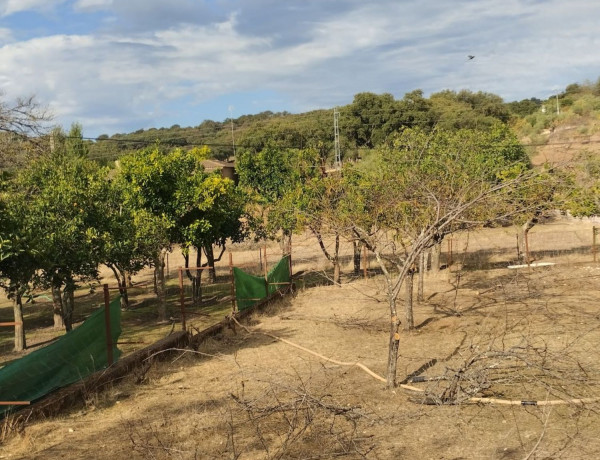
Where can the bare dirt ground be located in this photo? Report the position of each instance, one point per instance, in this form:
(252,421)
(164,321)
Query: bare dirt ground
(565,142)
(513,335)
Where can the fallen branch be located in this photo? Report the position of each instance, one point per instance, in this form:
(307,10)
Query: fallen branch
(429,401)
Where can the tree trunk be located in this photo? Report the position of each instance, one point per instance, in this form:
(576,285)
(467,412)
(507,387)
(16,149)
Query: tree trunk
(68,304)
(121,277)
(286,244)
(155,279)
(523,235)
(393,345)
(357,249)
(337,275)
(123,284)
(127,276)
(409,324)
(421,281)
(161,294)
(197,279)
(435,257)
(210,260)
(20,343)
(333,258)
(124,294)
(57,308)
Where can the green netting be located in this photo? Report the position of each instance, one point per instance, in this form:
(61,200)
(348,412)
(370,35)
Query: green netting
(250,289)
(72,357)
(279,276)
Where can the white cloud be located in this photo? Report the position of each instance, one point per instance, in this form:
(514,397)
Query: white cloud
(6,35)
(107,80)
(8,7)
(87,5)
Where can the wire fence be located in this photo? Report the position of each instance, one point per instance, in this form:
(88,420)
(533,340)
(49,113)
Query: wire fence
(500,248)
(485,249)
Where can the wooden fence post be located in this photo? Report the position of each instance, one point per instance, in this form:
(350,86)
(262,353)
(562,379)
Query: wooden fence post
(365,261)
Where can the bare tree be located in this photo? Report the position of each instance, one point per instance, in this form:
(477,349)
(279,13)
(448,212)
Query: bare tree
(24,124)
(24,117)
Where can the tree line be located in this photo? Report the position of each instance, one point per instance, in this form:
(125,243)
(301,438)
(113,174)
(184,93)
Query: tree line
(364,123)
(64,215)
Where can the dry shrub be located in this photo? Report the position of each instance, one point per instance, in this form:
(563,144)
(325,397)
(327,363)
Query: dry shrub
(279,422)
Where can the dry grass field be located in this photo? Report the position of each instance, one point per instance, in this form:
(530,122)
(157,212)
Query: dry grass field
(504,335)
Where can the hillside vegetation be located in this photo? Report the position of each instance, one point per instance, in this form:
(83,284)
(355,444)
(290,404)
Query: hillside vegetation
(370,119)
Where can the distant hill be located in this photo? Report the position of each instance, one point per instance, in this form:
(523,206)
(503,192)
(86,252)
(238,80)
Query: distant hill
(217,135)
(564,126)
(371,118)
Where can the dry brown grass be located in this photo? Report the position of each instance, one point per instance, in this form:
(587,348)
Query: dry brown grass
(531,334)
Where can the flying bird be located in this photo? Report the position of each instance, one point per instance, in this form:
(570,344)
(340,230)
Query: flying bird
(471,57)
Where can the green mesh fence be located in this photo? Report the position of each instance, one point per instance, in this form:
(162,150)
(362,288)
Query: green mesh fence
(71,358)
(250,289)
(279,275)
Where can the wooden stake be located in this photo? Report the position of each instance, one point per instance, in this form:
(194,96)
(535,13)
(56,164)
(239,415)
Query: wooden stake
(365,261)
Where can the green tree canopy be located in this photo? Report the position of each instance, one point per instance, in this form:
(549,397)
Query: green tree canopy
(466,109)
(63,198)
(196,209)
(424,186)
(270,175)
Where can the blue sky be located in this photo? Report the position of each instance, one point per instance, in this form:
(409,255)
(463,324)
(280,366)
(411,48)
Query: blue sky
(121,65)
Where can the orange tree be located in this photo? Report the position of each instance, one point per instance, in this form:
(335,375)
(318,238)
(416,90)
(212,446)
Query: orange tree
(425,186)
(196,209)
(59,203)
(274,179)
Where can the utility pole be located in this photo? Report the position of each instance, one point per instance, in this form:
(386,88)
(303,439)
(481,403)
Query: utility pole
(336,134)
(557,106)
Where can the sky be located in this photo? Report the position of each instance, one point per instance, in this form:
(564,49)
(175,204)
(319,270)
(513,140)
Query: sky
(116,66)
